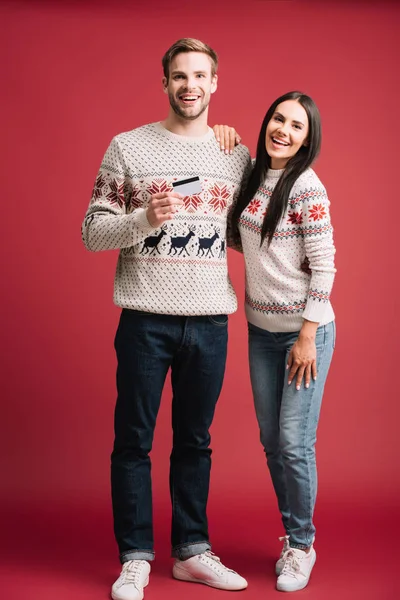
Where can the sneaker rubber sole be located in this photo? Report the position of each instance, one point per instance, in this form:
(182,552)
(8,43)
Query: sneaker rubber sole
(183,575)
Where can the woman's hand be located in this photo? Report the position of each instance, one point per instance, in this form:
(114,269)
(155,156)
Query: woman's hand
(227,137)
(302,360)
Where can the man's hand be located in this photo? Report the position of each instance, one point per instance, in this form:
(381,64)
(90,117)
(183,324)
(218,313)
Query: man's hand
(227,137)
(162,207)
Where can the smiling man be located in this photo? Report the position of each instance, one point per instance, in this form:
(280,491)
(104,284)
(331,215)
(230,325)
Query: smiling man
(161,197)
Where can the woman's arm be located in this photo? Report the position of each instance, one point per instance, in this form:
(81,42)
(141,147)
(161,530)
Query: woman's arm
(320,251)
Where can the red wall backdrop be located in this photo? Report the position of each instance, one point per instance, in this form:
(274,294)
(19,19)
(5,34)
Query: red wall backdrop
(73,74)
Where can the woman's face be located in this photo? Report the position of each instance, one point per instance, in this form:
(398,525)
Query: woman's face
(286,133)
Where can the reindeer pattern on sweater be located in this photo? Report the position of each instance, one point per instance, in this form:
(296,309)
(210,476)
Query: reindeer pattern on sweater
(180,267)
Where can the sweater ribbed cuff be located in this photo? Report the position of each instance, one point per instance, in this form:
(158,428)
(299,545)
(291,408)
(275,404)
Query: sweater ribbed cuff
(140,221)
(315,311)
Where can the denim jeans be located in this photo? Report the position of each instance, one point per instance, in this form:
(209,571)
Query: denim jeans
(288,421)
(147,346)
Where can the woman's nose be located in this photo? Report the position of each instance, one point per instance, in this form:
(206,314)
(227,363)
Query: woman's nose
(284,128)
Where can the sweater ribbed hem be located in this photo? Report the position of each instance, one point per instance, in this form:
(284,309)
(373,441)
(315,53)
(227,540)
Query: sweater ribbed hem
(284,323)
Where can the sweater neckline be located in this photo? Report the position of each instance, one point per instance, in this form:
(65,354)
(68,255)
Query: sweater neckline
(275,173)
(185,138)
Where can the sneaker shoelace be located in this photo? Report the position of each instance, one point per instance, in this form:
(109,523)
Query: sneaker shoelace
(131,572)
(286,547)
(215,562)
(292,564)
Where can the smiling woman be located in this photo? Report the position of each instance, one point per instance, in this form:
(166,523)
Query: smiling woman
(295,120)
(281,219)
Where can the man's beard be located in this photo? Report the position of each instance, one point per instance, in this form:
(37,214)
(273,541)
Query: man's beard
(181,112)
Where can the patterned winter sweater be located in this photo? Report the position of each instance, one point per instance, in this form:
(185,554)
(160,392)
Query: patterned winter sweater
(181,267)
(278,293)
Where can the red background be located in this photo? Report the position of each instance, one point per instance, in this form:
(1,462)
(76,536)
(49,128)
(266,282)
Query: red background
(73,75)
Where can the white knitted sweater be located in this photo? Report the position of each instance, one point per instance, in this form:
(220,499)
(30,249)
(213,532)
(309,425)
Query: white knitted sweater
(181,267)
(279,295)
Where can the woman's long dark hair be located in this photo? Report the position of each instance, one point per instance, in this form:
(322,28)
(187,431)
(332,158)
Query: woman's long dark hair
(294,168)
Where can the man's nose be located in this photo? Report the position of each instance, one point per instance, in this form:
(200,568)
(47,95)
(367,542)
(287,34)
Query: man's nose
(191,83)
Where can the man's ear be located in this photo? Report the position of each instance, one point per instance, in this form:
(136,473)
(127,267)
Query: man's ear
(165,84)
(214,83)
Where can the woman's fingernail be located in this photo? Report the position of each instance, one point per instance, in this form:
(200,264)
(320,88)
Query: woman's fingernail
(298,388)
(231,152)
(307,385)
(289,382)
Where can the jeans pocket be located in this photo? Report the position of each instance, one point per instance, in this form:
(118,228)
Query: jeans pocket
(219,320)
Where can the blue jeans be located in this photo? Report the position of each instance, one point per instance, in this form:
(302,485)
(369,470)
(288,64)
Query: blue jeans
(288,421)
(147,346)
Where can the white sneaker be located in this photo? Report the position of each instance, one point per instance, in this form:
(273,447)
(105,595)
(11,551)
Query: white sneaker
(134,577)
(281,560)
(296,570)
(208,569)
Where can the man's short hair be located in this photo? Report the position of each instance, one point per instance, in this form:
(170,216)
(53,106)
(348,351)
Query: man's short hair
(188,45)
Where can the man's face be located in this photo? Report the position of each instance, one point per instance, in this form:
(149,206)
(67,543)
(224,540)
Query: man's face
(190,84)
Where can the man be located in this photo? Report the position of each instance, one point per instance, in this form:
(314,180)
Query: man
(173,287)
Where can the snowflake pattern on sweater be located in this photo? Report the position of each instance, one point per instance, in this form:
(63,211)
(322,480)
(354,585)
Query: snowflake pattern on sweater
(279,295)
(179,268)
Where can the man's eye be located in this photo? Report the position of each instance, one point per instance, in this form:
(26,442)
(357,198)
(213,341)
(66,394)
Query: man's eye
(200,75)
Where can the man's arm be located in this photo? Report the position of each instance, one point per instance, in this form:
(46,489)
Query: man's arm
(116,217)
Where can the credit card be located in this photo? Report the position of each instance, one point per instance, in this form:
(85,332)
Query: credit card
(187,187)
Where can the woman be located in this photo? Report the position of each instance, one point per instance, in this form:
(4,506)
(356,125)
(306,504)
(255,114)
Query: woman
(280,220)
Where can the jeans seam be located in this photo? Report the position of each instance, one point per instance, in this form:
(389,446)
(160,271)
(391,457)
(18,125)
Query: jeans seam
(307,531)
